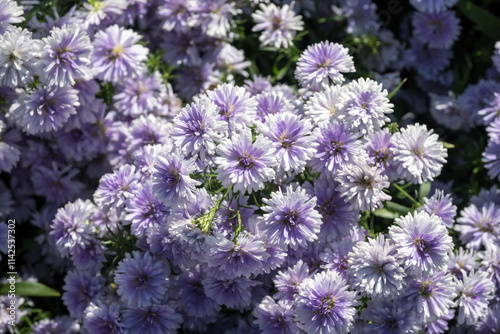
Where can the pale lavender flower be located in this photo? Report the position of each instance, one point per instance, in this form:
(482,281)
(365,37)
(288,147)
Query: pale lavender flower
(490,262)
(196,78)
(258,85)
(418,154)
(291,218)
(101,318)
(478,97)
(216,18)
(278,25)
(438,30)
(378,146)
(493,130)
(432,6)
(491,112)
(474,292)
(10,13)
(287,282)
(362,186)
(479,226)
(152,319)
(441,206)
(385,316)
(491,158)
(232,60)
(323,61)
(447,111)
(463,260)
(178,14)
(423,241)
(325,105)
(65,56)
(275,318)
(63,324)
(244,164)
(102,13)
(148,129)
(80,289)
(116,54)
(491,321)
(486,195)
(324,305)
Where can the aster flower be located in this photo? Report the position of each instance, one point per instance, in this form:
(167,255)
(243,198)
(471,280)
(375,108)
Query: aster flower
(375,268)
(196,78)
(432,6)
(216,18)
(258,85)
(275,318)
(234,293)
(384,316)
(177,14)
(244,164)
(291,137)
(491,158)
(441,206)
(378,147)
(80,289)
(474,292)
(62,324)
(492,112)
(232,60)
(152,319)
(493,129)
(486,195)
(116,54)
(171,181)
(141,279)
(463,260)
(55,183)
(361,16)
(116,188)
(9,151)
(10,13)
(418,154)
(270,103)
(447,111)
(18,55)
(337,146)
(322,61)
(362,186)
(45,109)
(478,97)
(324,305)
(235,106)
(278,25)
(65,56)
(438,30)
(325,105)
(479,226)
(491,321)
(101,318)
(287,282)
(423,241)
(291,218)
(427,61)
(148,130)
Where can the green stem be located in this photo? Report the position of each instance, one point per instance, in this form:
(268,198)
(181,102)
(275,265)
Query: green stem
(401,190)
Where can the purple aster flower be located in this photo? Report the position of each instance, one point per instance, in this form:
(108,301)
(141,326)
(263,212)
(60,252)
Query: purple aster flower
(18,55)
(365,105)
(45,109)
(244,164)
(291,218)
(447,111)
(432,6)
(375,267)
(490,262)
(80,289)
(197,129)
(178,14)
(101,318)
(234,293)
(258,85)
(492,112)
(361,16)
(291,137)
(62,324)
(56,184)
(362,186)
(188,245)
(438,30)
(171,181)
(478,97)
(235,106)
(440,325)
(474,292)
(479,226)
(71,227)
(65,56)
(270,103)
(275,318)
(241,257)
(90,256)
(216,18)
(9,151)
(378,146)
(322,61)
(491,321)
(148,130)
(144,210)
(287,282)
(430,297)
(139,95)
(232,60)
(337,146)
(427,61)
(493,129)
(278,25)
(324,305)
(152,319)
(463,260)
(196,78)
(179,48)
(10,12)
(116,54)
(385,316)
(102,13)
(418,154)
(441,206)
(491,158)
(142,280)
(423,241)
(486,195)
(325,105)
(116,188)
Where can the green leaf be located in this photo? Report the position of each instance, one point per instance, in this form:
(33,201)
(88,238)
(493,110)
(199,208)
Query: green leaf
(396,208)
(391,94)
(485,21)
(384,213)
(30,289)
(424,190)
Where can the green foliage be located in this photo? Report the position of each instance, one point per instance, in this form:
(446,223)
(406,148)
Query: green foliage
(34,289)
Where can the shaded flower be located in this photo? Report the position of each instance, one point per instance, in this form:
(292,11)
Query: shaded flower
(384,316)
(479,226)
(80,289)
(474,292)
(101,318)
(432,6)
(234,293)
(378,146)
(275,318)
(152,319)
(287,282)
(441,206)
(438,29)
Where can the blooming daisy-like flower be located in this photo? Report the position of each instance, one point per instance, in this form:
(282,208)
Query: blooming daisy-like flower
(375,268)
(103,319)
(235,106)
(178,14)
(275,318)
(325,105)
(322,61)
(479,226)
(337,146)
(65,56)
(279,25)
(80,289)
(427,61)
(418,155)
(116,54)
(438,30)
(447,111)
(291,218)
(493,130)
(423,241)
(141,279)
(152,319)
(474,292)
(491,321)
(148,130)
(287,282)
(258,85)
(291,137)
(441,206)
(432,6)
(100,12)
(365,105)
(196,128)
(56,183)
(379,146)
(362,186)
(234,293)
(171,181)
(491,158)
(270,103)
(244,164)
(463,260)
(216,18)
(10,12)
(18,56)
(324,305)
(492,112)
(45,109)
(196,78)
(480,96)
(385,316)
